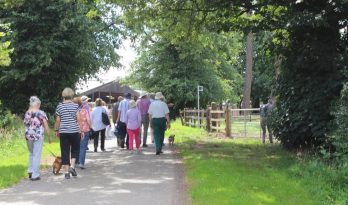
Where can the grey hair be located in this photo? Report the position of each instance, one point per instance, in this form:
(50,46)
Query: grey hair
(34,100)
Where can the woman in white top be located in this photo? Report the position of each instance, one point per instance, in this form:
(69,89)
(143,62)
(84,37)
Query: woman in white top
(159,120)
(98,126)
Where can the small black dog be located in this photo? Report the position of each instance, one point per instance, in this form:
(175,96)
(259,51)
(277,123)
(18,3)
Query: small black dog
(171,140)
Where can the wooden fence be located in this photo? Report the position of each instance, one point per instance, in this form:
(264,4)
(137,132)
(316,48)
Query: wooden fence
(230,122)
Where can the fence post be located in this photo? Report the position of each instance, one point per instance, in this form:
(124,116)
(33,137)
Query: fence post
(214,106)
(181,117)
(208,119)
(228,121)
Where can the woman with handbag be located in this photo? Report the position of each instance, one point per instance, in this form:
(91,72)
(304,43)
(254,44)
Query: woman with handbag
(98,124)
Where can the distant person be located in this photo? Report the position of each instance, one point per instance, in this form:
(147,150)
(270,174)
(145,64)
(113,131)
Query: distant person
(98,126)
(67,128)
(86,126)
(115,109)
(115,116)
(159,120)
(105,106)
(265,112)
(133,119)
(143,106)
(121,119)
(152,99)
(35,121)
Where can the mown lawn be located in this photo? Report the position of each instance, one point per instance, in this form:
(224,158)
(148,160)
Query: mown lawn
(226,171)
(14,155)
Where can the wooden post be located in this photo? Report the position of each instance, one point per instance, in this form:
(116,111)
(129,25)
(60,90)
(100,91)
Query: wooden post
(208,119)
(194,115)
(181,117)
(228,121)
(214,106)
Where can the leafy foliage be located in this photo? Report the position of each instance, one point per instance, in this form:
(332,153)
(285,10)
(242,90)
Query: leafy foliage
(311,78)
(7,119)
(177,69)
(55,43)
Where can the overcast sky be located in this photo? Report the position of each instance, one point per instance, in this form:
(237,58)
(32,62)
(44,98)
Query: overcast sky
(127,54)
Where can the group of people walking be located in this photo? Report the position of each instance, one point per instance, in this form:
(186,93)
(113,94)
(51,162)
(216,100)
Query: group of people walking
(132,116)
(76,123)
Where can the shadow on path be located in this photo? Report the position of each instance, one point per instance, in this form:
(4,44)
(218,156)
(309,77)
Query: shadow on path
(112,177)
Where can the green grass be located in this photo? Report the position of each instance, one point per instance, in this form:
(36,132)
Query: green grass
(226,171)
(14,155)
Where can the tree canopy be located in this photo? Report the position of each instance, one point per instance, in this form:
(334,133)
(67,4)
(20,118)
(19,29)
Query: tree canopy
(54,44)
(300,53)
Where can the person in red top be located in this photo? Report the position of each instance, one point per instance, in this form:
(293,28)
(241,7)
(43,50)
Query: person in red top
(143,106)
(85,119)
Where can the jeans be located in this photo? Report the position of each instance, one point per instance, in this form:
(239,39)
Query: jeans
(159,126)
(134,134)
(145,123)
(83,149)
(35,149)
(102,139)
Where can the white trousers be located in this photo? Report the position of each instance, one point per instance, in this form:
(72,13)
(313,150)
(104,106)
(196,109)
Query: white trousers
(35,148)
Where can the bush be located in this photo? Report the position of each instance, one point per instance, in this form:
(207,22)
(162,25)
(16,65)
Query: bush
(7,119)
(337,145)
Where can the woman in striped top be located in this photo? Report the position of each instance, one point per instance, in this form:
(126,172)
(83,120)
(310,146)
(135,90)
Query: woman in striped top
(68,129)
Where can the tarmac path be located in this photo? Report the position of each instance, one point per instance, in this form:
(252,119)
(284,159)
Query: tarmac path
(112,177)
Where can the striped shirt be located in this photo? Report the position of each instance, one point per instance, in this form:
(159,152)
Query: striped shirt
(68,121)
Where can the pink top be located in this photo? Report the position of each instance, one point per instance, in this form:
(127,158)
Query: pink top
(133,119)
(84,116)
(143,105)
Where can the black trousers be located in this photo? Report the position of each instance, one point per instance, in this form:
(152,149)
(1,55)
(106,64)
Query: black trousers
(69,143)
(122,129)
(102,139)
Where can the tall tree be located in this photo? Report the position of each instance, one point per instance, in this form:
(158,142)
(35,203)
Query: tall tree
(177,68)
(248,71)
(55,43)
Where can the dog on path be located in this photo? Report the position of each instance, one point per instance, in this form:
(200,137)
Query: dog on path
(171,140)
(57,164)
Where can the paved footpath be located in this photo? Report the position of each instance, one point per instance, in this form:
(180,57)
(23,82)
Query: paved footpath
(112,177)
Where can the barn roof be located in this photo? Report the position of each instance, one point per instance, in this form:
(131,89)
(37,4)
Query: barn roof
(111,87)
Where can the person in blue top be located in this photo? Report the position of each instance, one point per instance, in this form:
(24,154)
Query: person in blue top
(122,120)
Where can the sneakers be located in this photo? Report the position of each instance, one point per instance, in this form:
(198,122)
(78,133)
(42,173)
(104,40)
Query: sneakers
(158,153)
(67,176)
(73,172)
(82,166)
(145,145)
(35,179)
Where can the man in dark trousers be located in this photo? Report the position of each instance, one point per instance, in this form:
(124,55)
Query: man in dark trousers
(265,112)
(122,118)
(114,117)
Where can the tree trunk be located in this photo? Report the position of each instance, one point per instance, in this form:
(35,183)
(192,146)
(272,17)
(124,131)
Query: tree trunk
(248,72)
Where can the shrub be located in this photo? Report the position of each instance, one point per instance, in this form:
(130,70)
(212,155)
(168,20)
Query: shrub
(7,119)
(337,145)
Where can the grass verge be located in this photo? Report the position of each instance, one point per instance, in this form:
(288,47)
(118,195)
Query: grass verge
(227,171)
(14,155)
